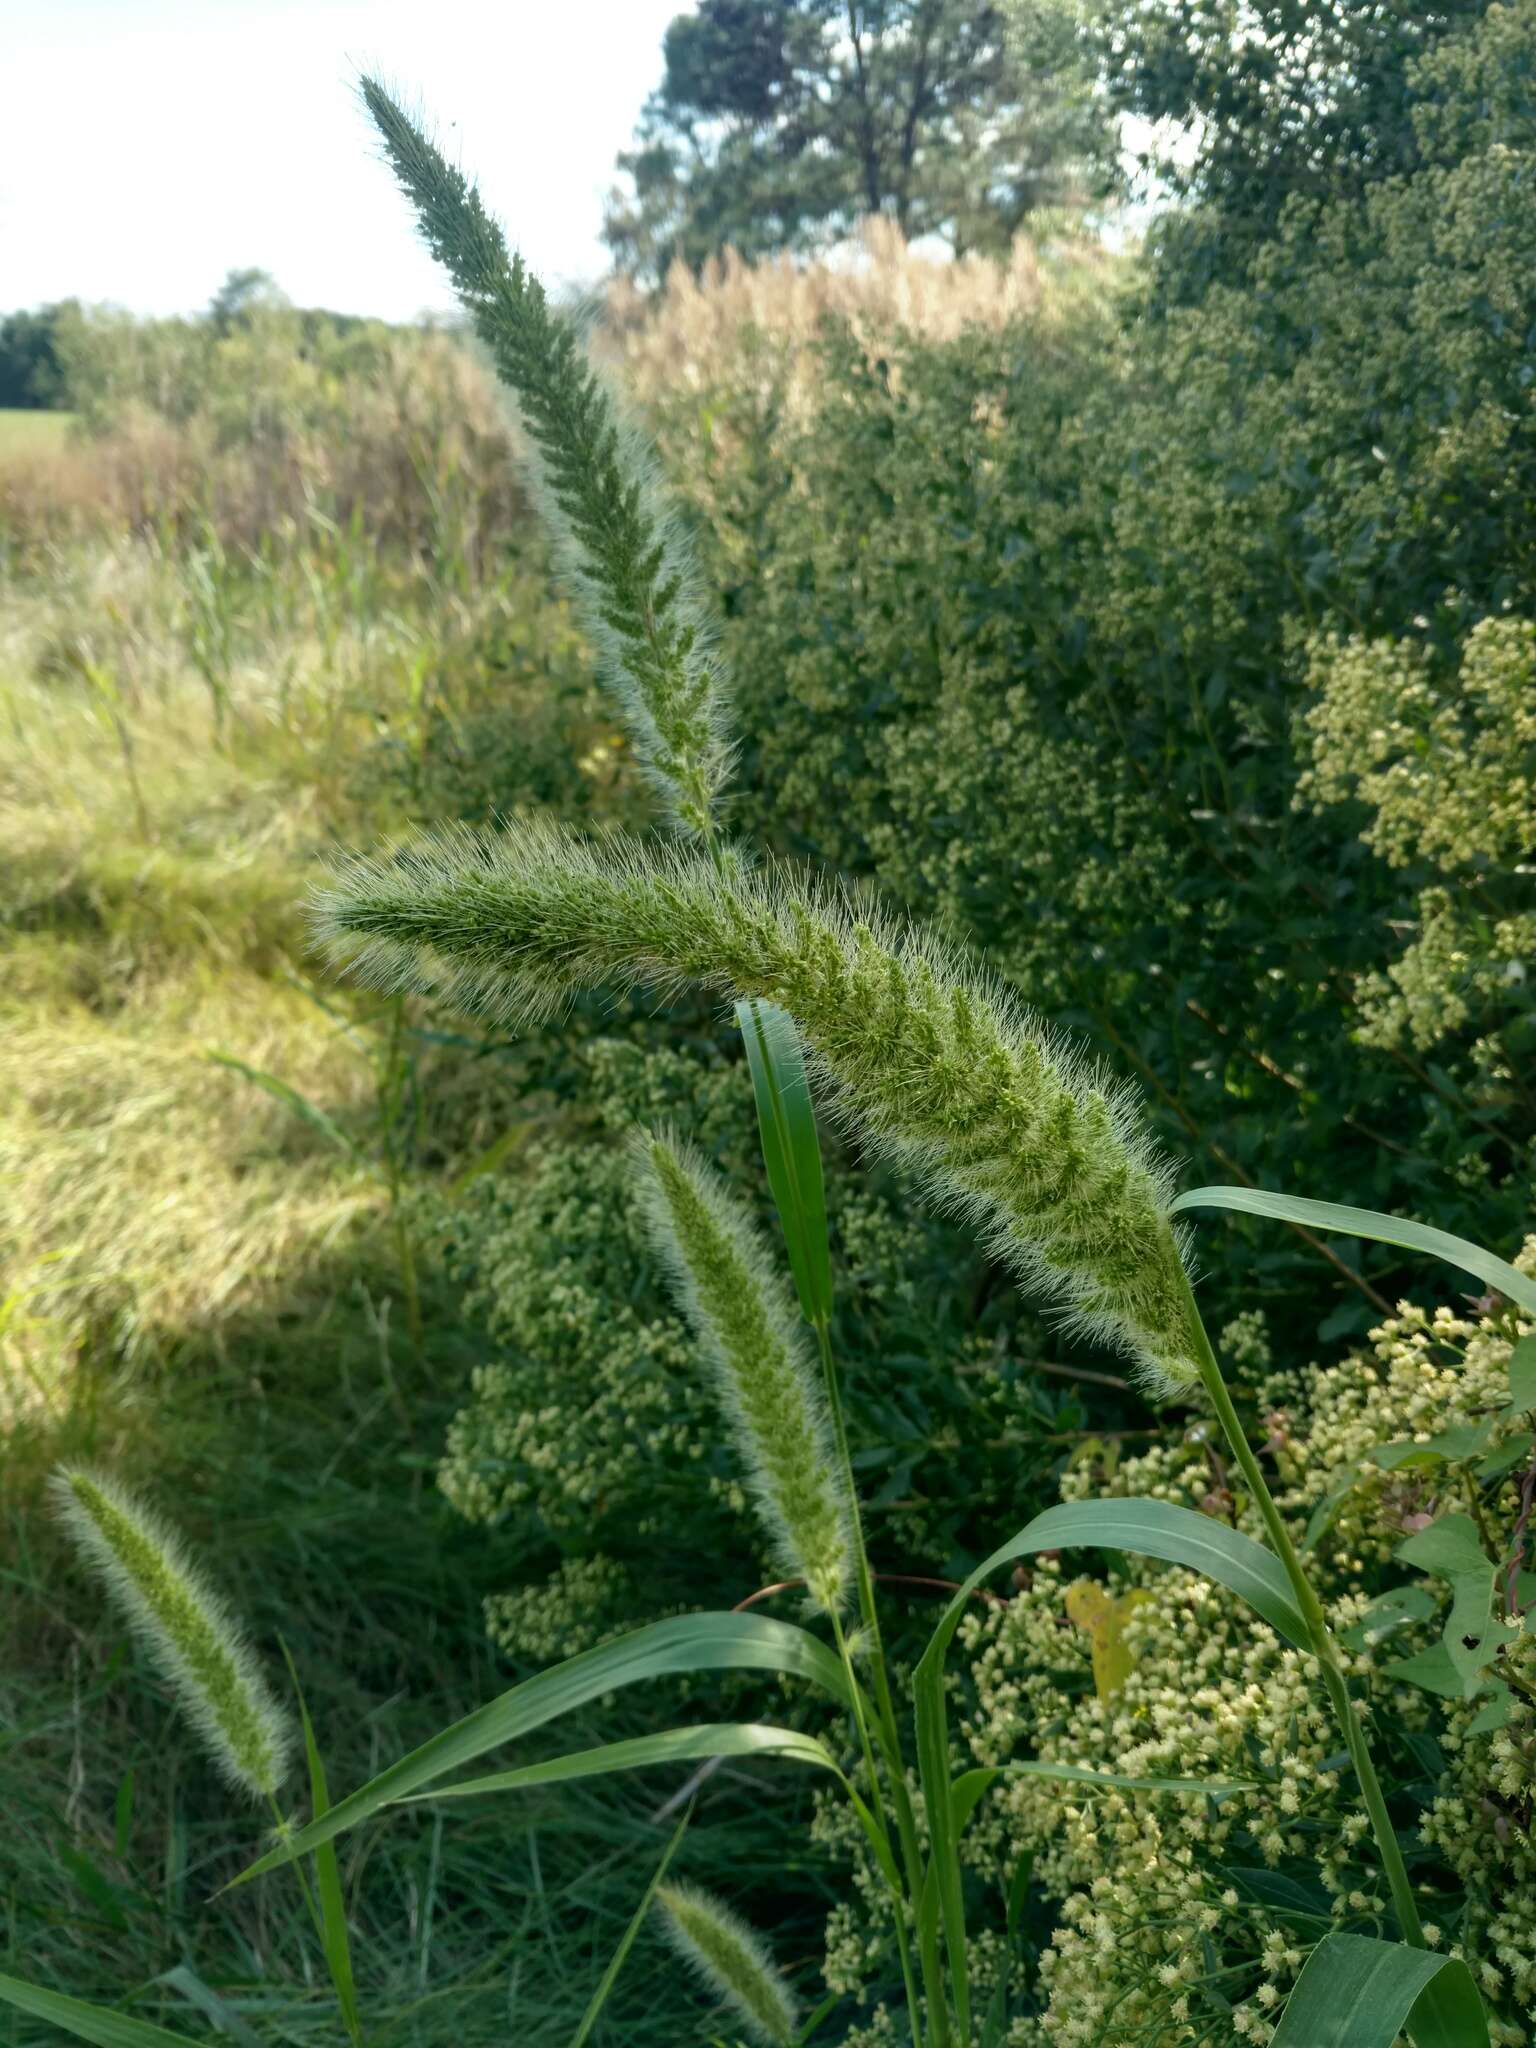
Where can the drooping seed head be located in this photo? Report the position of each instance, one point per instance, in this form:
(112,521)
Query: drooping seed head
(753,1338)
(730,1960)
(185,1626)
(927,1053)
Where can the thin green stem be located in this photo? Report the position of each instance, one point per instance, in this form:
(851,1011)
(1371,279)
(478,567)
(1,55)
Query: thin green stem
(877,1816)
(1320,1638)
(885,1707)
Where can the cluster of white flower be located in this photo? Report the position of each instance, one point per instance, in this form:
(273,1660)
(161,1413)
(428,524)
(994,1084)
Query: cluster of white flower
(1185,1918)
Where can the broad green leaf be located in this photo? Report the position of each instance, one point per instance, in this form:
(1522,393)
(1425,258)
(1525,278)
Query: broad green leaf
(1399,1230)
(1514,1452)
(683,1643)
(609,1977)
(673,1745)
(1497,1714)
(786,1118)
(1450,1447)
(1431,1671)
(1522,1374)
(290,1097)
(1356,1992)
(1470,1629)
(1152,1528)
(1449,1548)
(97,2023)
(1397,1609)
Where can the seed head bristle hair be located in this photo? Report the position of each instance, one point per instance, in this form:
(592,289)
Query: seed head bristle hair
(186,1627)
(730,1960)
(597,483)
(753,1337)
(928,1054)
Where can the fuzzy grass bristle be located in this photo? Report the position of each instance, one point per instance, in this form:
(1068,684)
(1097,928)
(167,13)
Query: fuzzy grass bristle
(753,1337)
(927,1053)
(184,1624)
(730,1961)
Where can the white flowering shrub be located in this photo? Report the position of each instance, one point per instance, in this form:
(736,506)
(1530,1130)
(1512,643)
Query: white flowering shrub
(1181,1919)
(1445,760)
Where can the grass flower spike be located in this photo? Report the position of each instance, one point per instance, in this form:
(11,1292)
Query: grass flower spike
(752,1333)
(930,1055)
(628,559)
(731,1961)
(186,1627)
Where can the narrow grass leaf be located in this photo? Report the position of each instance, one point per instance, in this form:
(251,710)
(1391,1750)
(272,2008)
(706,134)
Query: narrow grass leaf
(1151,1528)
(291,1098)
(97,2023)
(334,1938)
(187,1984)
(616,1961)
(786,1117)
(1356,1992)
(674,1745)
(682,1643)
(972,1787)
(1399,1230)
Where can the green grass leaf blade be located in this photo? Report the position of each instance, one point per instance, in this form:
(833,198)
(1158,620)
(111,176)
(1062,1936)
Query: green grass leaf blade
(1151,1528)
(682,1643)
(1399,1230)
(971,1787)
(87,2022)
(616,1961)
(334,1938)
(673,1745)
(786,1118)
(1522,1375)
(1356,1992)
(310,1112)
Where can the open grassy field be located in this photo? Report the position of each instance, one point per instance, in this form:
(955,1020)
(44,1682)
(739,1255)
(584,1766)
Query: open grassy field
(210,1288)
(23,432)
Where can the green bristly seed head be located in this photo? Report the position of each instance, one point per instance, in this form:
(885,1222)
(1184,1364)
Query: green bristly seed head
(630,563)
(752,1335)
(184,1625)
(731,1961)
(927,1054)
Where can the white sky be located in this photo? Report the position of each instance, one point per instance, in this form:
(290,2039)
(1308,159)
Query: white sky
(149,146)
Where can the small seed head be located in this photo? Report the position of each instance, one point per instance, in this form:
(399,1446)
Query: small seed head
(185,1626)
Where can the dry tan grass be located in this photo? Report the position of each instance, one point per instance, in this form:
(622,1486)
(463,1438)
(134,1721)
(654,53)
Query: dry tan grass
(139,1180)
(741,319)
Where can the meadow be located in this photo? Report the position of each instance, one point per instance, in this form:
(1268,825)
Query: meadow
(1173,660)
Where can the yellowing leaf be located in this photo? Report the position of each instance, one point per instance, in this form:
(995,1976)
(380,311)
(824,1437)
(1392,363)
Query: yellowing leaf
(1104,1617)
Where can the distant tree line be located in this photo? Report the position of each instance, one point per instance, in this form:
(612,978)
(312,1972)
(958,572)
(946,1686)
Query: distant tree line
(42,350)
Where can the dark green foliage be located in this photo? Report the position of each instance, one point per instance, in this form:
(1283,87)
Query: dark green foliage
(779,122)
(1289,101)
(1021,626)
(31,374)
